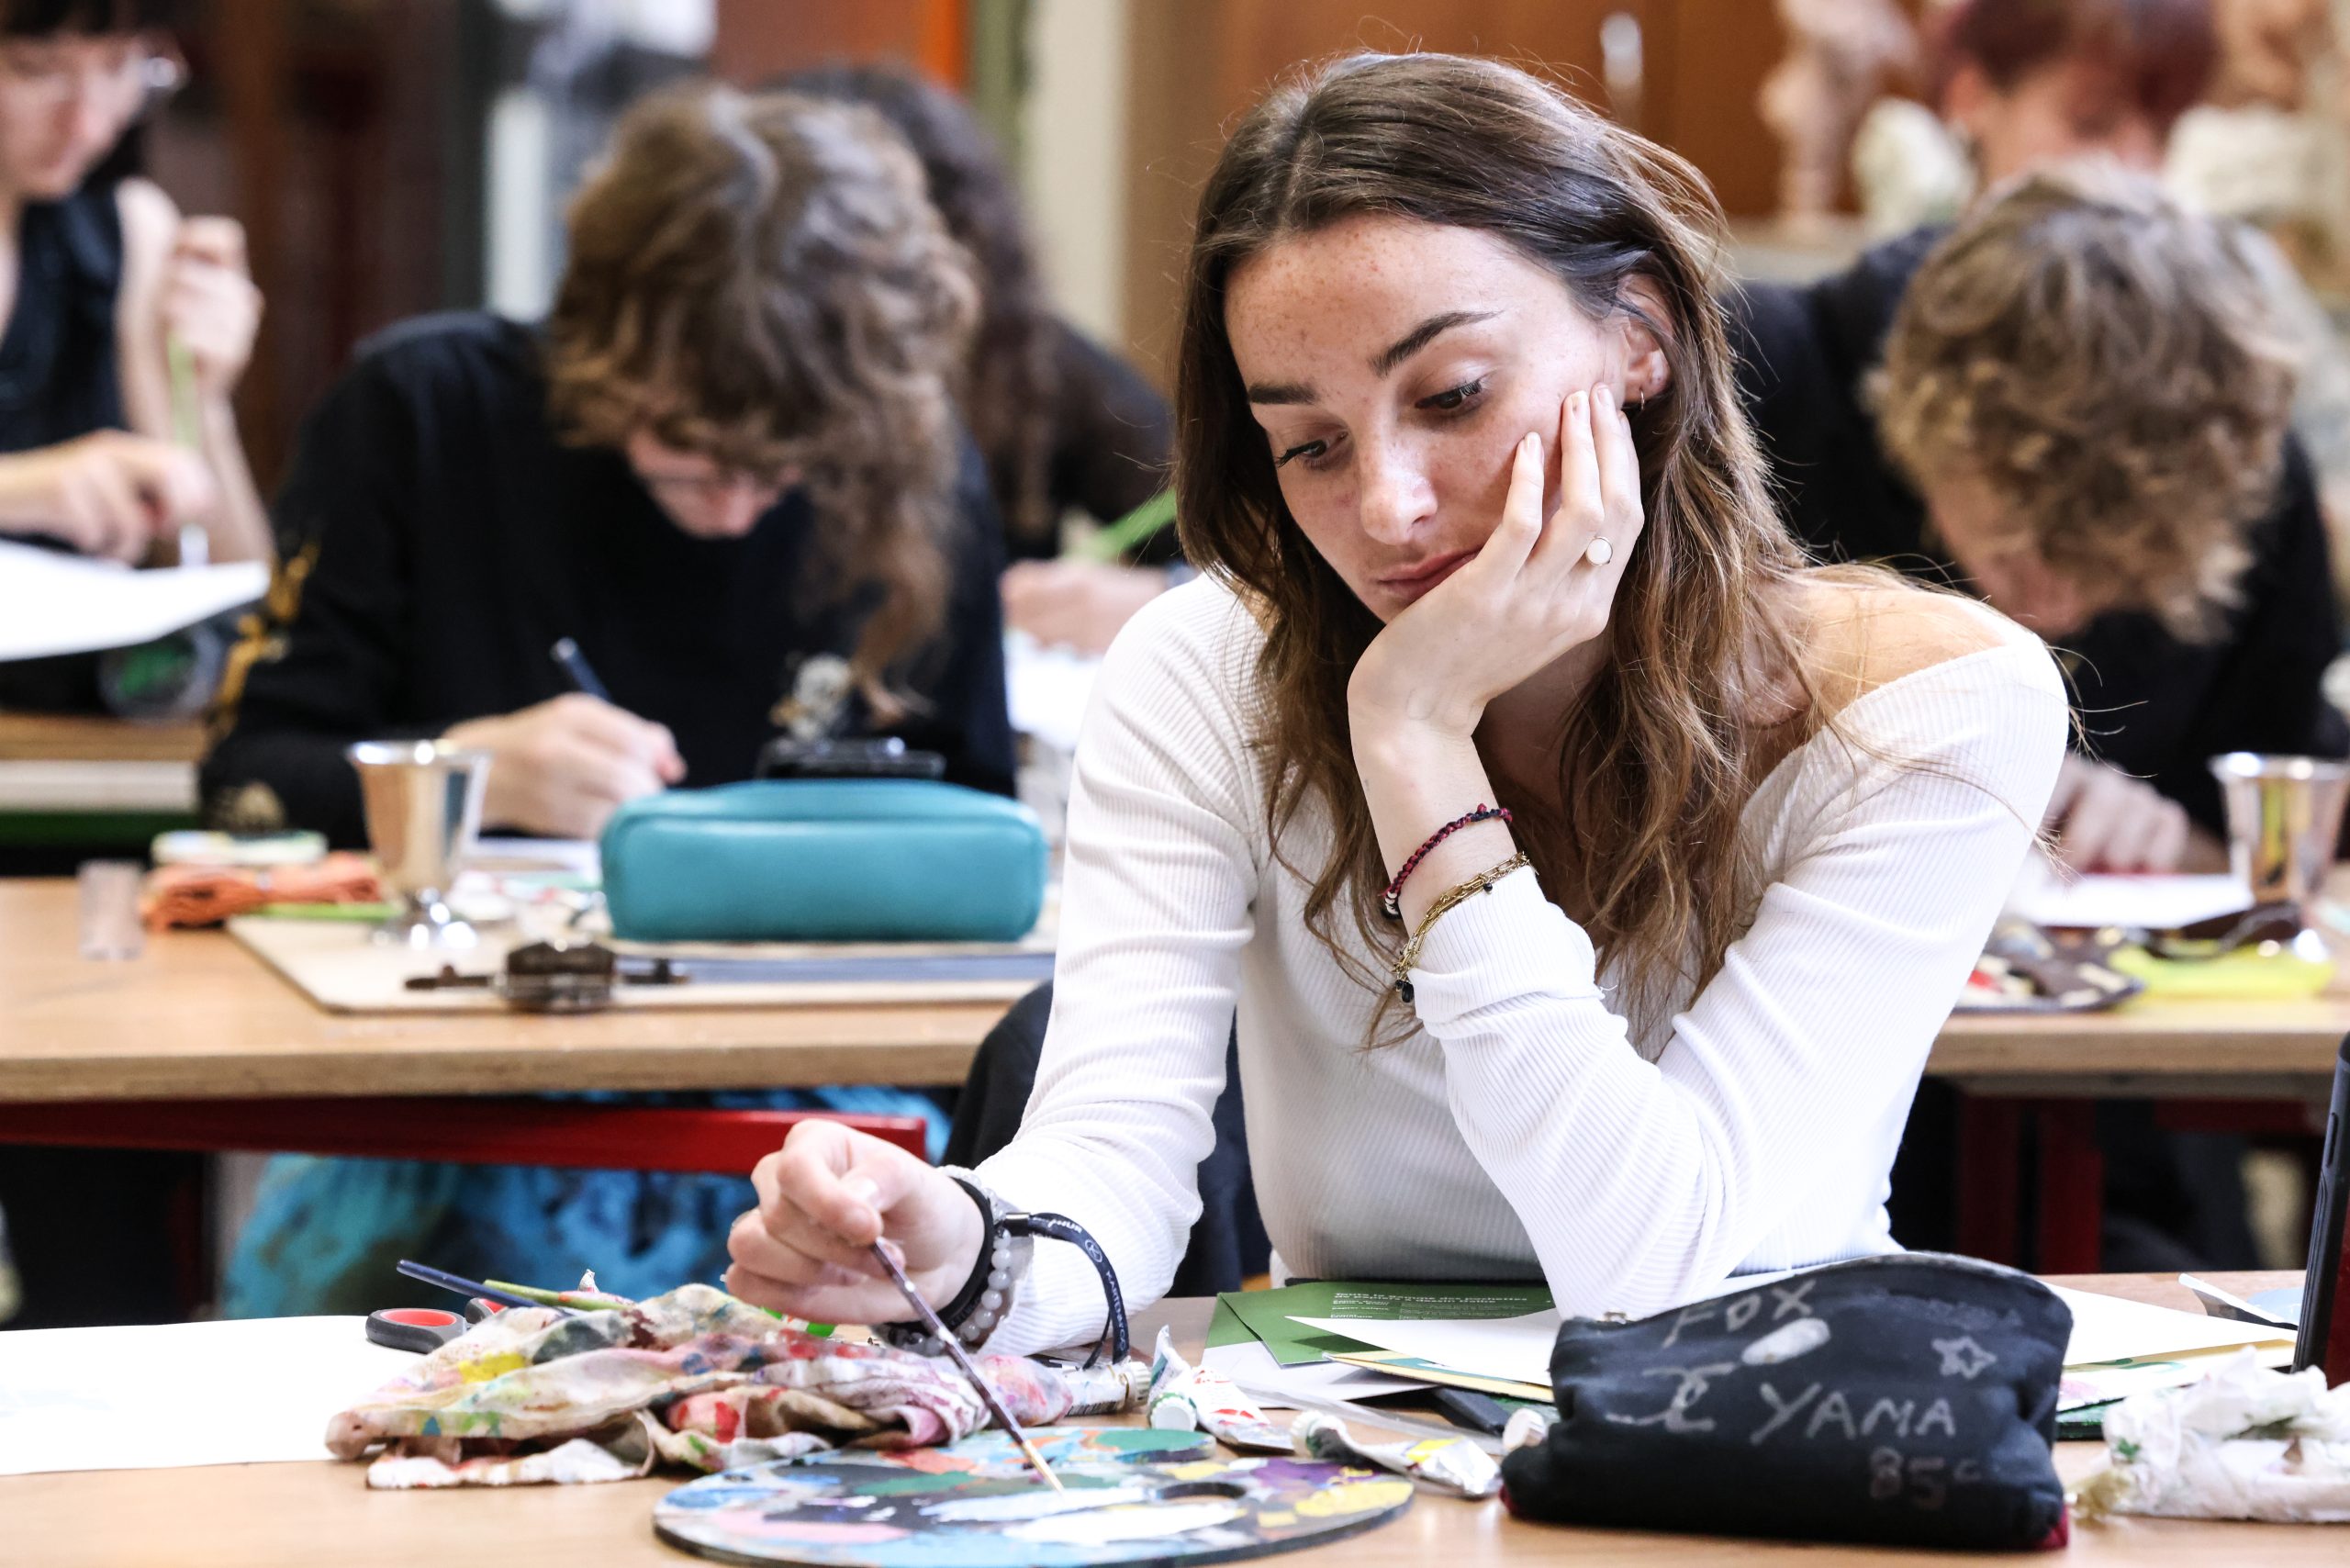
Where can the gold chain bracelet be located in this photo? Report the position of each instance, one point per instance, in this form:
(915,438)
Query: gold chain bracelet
(1483,882)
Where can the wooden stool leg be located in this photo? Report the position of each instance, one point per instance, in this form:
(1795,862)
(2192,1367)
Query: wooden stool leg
(1990,1152)
(2072,1188)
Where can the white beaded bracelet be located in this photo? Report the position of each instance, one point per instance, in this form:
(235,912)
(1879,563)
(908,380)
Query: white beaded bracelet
(1006,1262)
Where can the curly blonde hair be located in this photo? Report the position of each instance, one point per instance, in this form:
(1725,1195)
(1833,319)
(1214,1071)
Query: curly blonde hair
(761,280)
(2107,365)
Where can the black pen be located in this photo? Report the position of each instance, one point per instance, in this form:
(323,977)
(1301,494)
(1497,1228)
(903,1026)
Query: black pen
(575,665)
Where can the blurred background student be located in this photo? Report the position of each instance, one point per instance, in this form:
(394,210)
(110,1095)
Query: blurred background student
(98,273)
(730,465)
(2033,84)
(1068,427)
(2190,90)
(103,282)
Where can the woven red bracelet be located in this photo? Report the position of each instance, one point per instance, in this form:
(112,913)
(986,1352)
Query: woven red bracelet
(1390,897)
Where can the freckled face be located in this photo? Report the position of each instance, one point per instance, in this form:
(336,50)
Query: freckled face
(1395,365)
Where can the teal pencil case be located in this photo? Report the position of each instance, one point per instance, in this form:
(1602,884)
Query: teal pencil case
(824,860)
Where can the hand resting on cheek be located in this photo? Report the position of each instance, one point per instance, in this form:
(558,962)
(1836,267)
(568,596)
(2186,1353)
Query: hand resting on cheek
(1537,590)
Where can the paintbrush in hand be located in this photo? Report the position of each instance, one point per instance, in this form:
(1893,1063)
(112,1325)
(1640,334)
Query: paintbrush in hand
(970,1369)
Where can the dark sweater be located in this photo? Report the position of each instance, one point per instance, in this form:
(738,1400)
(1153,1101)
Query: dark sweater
(438,538)
(1113,438)
(60,377)
(2154,706)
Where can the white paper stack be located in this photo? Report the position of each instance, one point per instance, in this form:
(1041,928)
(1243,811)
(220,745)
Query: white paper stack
(51,602)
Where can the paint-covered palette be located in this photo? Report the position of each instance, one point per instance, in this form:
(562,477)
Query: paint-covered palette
(1134,1496)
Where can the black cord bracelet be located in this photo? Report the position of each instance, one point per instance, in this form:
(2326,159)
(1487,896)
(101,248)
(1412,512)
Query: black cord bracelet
(1061,1227)
(953,1313)
(1051,1227)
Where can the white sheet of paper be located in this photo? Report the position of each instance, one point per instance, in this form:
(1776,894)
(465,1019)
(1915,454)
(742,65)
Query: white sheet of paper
(2104,1328)
(2107,1329)
(1514,1347)
(246,1392)
(54,603)
(576,857)
(1046,688)
(2158,904)
(1271,1384)
(1517,1349)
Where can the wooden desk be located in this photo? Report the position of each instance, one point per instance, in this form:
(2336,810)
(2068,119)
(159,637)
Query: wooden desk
(72,737)
(2243,1050)
(199,1017)
(293,1516)
(2192,1050)
(2264,1066)
(65,765)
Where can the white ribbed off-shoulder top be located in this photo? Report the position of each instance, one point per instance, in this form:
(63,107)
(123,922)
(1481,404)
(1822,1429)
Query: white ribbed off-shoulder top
(1524,1129)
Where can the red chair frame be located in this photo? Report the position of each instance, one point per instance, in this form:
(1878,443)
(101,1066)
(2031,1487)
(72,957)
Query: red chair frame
(467,1129)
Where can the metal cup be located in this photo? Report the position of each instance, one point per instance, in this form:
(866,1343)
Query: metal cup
(423,803)
(2284,818)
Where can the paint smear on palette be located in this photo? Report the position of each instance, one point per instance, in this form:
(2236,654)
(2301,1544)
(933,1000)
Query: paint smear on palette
(1130,1498)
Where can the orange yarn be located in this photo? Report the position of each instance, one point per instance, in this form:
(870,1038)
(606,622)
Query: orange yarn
(207,895)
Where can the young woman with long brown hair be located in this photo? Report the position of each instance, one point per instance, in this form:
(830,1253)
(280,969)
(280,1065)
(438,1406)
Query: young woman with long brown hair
(1483,525)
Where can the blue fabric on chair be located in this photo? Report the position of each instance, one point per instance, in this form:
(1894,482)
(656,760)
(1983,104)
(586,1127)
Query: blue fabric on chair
(325,1233)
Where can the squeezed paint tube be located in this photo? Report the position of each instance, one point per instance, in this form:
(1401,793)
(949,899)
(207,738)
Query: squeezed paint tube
(1104,1389)
(1185,1398)
(1454,1464)
(1529,1427)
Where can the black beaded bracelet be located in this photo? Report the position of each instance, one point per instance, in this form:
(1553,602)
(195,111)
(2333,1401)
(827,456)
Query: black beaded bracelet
(992,1274)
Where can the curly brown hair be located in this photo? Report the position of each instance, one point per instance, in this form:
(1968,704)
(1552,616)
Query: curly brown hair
(1012,378)
(761,280)
(2107,364)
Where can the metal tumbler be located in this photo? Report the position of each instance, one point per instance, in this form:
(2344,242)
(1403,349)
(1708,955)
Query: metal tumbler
(2284,818)
(424,803)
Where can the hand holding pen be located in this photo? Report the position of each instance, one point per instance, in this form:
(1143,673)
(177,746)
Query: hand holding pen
(561,768)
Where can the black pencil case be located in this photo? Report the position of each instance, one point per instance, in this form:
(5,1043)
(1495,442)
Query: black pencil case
(1907,1399)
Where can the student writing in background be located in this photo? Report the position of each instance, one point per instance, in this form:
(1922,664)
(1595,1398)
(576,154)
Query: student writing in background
(1480,523)
(2176,430)
(99,274)
(1066,425)
(2023,82)
(2033,83)
(2087,387)
(729,468)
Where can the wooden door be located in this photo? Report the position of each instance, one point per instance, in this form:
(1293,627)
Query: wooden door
(1197,64)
